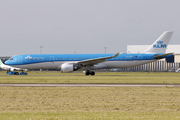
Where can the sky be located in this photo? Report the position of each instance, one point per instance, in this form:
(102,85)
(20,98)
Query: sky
(84,26)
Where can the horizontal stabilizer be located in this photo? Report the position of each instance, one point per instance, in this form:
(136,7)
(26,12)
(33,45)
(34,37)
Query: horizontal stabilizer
(161,56)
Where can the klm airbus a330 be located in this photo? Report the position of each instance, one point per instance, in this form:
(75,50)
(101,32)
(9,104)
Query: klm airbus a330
(89,62)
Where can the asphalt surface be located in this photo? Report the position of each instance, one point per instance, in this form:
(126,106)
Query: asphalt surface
(87,85)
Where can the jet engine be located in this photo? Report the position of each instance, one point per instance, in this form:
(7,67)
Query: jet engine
(67,67)
(12,69)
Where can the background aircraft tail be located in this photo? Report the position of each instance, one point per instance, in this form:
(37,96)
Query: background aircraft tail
(1,62)
(161,44)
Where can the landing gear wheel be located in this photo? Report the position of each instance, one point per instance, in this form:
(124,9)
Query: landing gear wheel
(87,73)
(16,73)
(92,73)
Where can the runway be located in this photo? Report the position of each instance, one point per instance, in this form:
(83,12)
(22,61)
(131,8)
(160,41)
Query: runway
(87,85)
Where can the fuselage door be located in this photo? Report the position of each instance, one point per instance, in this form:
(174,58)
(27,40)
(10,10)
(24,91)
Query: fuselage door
(51,58)
(20,59)
(139,57)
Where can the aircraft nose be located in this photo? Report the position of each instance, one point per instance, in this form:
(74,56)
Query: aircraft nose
(7,62)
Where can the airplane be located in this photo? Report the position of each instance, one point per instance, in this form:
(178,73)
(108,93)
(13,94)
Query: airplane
(90,62)
(10,68)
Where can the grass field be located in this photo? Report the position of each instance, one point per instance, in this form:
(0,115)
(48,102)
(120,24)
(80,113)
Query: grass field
(91,103)
(94,103)
(112,77)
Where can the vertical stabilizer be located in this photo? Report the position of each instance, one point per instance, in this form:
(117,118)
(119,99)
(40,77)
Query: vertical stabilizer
(161,44)
(1,62)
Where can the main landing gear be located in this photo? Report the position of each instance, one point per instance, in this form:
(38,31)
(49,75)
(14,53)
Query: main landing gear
(89,73)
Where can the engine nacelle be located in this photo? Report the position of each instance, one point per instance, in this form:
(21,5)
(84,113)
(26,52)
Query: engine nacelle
(12,69)
(67,67)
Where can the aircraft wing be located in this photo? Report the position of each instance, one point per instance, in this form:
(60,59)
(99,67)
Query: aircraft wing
(91,62)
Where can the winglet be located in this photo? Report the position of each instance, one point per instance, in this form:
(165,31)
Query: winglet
(115,55)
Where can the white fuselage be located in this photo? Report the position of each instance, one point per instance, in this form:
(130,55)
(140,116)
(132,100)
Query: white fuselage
(103,65)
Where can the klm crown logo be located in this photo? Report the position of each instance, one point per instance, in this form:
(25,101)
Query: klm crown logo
(159,44)
(28,57)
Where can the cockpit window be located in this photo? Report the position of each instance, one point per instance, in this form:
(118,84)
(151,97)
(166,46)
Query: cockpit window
(11,59)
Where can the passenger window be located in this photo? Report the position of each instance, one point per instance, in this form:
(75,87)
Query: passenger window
(11,58)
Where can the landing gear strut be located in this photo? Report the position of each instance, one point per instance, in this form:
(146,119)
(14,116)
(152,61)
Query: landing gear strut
(89,73)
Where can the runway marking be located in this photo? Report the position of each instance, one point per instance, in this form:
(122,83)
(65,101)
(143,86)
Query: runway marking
(87,85)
